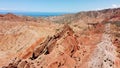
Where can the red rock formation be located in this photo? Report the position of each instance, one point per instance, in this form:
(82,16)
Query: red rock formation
(10,17)
(63,50)
(93,47)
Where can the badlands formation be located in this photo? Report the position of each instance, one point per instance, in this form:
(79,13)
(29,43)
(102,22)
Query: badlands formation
(82,40)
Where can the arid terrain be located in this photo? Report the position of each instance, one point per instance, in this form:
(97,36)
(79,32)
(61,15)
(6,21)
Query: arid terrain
(88,39)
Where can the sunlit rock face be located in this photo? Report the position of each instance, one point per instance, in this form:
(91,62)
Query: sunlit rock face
(91,40)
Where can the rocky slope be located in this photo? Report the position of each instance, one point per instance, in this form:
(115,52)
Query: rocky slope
(61,50)
(87,16)
(16,36)
(91,40)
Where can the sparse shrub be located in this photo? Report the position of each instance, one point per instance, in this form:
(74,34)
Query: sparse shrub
(118,35)
(75,25)
(117,23)
(57,29)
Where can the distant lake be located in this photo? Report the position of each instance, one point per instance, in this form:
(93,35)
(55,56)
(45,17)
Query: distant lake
(37,14)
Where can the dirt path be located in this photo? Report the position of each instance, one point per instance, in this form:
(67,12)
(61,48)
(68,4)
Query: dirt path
(104,54)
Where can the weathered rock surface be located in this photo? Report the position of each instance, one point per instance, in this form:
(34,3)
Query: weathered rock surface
(62,50)
(19,38)
(75,45)
(87,17)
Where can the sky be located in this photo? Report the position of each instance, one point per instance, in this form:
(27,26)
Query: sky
(57,5)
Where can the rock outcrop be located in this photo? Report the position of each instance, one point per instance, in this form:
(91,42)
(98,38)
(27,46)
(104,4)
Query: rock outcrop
(91,40)
(60,50)
(48,45)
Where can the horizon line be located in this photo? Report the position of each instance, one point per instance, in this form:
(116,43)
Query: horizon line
(10,11)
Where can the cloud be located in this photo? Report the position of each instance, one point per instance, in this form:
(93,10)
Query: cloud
(99,8)
(7,9)
(112,6)
(3,9)
(115,5)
